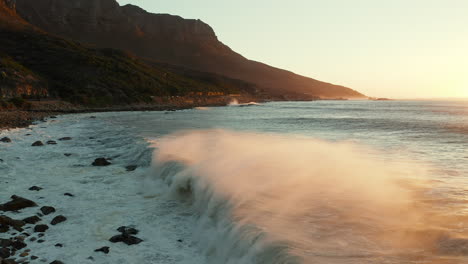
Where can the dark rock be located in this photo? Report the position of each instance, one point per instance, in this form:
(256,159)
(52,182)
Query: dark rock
(17,203)
(58,245)
(4,228)
(131,167)
(16,224)
(56,262)
(34,257)
(40,228)
(69,194)
(52,117)
(32,239)
(65,138)
(32,220)
(103,249)
(58,219)
(180,240)
(125,238)
(9,261)
(5,242)
(51,142)
(93,117)
(40,235)
(5,140)
(28,135)
(46,210)
(101,162)
(41,241)
(38,144)
(4,253)
(35,188)
(18,245)
(126,230)
(67,154)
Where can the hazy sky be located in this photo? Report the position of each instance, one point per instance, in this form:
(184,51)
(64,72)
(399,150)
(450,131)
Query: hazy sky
(384,48)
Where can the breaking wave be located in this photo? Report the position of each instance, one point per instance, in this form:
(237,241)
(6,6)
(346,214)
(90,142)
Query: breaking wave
(270,199)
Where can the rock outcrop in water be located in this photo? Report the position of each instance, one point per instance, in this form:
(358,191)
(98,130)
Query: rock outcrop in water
(167,39)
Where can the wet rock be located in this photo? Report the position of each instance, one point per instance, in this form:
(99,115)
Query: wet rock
(58,245)
(125,238)
(56,262)
(35,188)
(46,210)
(180,240)
(5,242)
(65,139)
(16,224)
(4,253)
(41,241)
(41,228)
(28,135)
(4,228)
(18,245)
(40,235)
(24,254)
(34,257)
(105,250)
(131,167)
(101,162)
(69,194)
(5,140)
(51,142)
(93,117)
(17,203)
(58,219)
(127,230)
(9,261)
(32,220)
(32,239)
(38,144)
(67,154)
(52,117)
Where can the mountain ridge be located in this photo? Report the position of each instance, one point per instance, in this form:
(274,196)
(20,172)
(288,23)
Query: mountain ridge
(189,43)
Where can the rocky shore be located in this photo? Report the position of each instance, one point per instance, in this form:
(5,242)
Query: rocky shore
(39,110)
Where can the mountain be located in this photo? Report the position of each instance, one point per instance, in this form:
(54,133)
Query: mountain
(166,39)
(34,63)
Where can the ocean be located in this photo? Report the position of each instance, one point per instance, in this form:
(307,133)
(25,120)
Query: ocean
(332,182)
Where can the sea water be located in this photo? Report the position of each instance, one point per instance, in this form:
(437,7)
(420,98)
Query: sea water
(292,182)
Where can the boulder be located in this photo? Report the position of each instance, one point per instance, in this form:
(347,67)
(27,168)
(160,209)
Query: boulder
(40,228)
(46,210)
(58,219)
(17,203)
(125,238)
(38,144)
(105,250)
(5,140)
(35,188)
(100,162)
(16,224)
(126,230)
(32,220)
(4,253)
(131,167)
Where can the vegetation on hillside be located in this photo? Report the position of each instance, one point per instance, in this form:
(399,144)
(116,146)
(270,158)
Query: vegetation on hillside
(89,76)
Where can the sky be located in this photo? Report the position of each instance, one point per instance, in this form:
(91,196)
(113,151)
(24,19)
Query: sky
(382,48)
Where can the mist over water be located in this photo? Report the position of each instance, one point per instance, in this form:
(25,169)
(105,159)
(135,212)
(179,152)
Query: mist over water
(316,182)
(263,198)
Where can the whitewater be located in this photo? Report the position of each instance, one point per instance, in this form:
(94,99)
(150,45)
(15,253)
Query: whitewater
(291,182)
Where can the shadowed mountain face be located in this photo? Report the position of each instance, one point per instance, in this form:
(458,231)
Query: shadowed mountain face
(37,64)
(166,39)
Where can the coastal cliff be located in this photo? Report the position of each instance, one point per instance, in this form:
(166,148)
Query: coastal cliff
(167,39)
